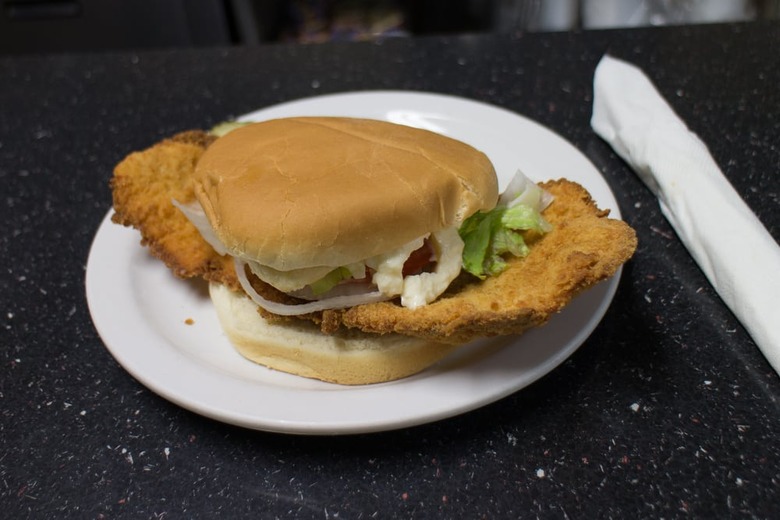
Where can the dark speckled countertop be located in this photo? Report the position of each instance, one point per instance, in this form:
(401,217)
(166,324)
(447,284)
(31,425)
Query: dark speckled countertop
(668,410)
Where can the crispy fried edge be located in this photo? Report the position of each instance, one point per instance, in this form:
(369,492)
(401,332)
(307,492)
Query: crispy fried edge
(143,186)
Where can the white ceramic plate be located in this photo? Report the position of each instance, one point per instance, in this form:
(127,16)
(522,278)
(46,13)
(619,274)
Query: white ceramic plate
(142,312)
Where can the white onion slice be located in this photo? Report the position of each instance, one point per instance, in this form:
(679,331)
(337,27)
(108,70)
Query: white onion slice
(347,288)
(423,288)
(522,190)
(283,309)
(195,214)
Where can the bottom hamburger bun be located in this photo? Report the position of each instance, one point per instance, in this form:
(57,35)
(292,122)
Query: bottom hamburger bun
(300,347)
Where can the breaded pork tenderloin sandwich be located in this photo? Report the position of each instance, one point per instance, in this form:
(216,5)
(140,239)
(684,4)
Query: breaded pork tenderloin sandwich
(358,251)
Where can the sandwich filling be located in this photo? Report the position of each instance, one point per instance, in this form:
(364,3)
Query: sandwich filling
(417,272)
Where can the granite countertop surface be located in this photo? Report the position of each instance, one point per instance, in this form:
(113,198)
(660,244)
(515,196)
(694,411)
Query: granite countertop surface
(668,410)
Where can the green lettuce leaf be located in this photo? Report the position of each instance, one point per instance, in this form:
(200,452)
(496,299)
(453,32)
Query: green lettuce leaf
(330,280)
(226,127)
(490,236)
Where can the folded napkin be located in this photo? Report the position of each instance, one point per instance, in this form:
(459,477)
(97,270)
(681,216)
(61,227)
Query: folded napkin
(732,247)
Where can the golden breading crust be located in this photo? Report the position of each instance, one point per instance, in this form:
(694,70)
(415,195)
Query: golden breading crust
(585,247)
(143,186)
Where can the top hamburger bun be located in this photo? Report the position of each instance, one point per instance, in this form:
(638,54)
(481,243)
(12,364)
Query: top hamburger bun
(326,191)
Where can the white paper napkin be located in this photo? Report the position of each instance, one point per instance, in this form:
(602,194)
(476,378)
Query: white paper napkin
(732,247)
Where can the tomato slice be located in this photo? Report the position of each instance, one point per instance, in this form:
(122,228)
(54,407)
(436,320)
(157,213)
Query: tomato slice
(422,260)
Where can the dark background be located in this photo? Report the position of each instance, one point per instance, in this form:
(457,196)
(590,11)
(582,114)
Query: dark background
(668,410)
(28,26)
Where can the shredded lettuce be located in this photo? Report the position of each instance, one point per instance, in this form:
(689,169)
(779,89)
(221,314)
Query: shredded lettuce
(490,236)
(330,280)
(227,127)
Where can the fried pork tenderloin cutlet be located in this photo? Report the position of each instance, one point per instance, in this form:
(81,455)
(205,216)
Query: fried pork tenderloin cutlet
(584,248)
(144,184)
